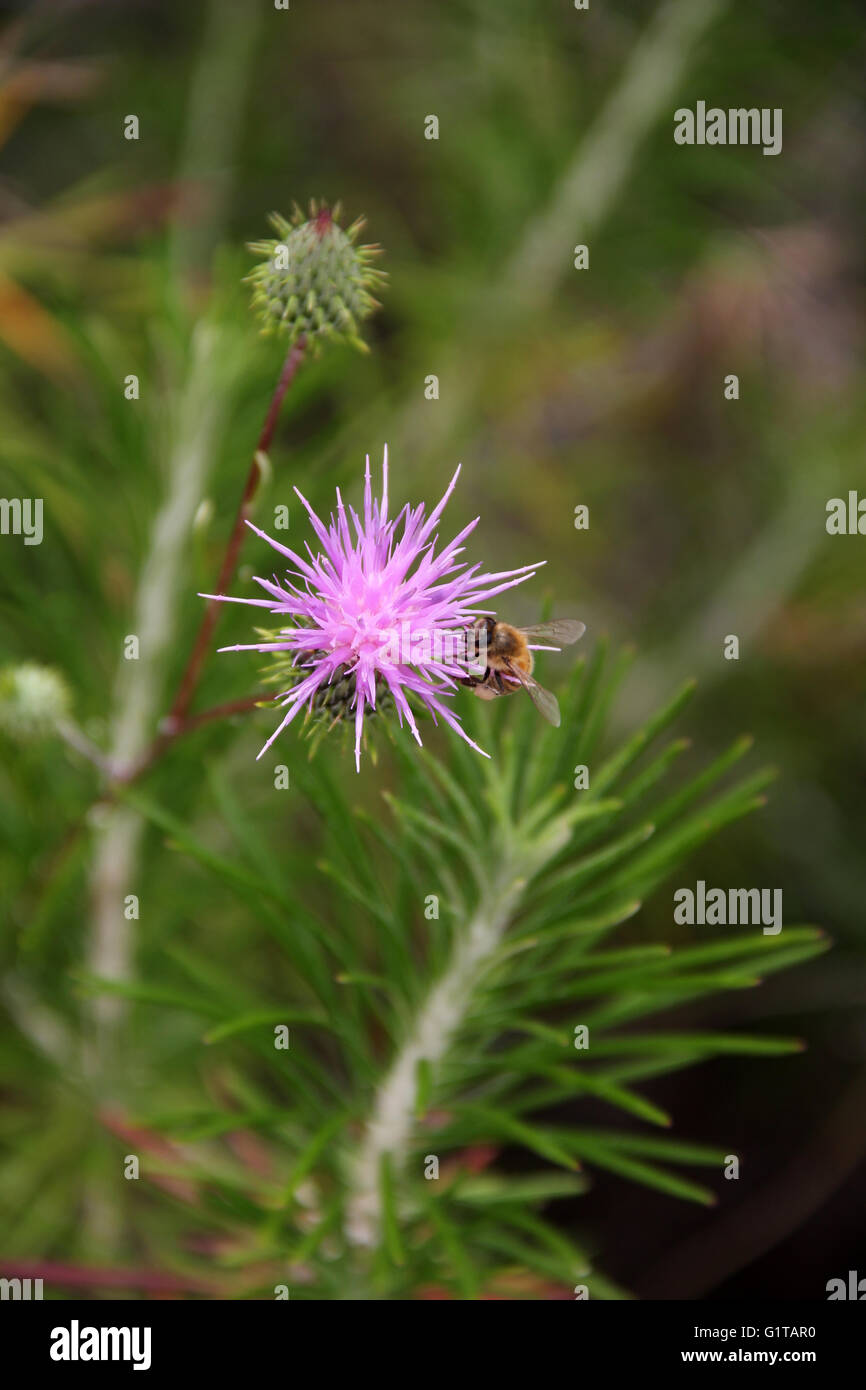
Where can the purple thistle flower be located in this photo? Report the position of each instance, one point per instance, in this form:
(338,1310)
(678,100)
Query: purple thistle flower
(379,605)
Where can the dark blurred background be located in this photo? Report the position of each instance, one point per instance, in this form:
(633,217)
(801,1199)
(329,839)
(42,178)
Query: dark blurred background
(557,387)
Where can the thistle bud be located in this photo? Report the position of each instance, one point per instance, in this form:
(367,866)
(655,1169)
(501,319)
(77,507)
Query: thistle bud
(334,702)
(314,282)
(33,699)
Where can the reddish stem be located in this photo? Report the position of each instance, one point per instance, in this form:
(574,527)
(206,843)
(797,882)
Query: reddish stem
(176,721)
(168,735)
(246,702)
(190,678)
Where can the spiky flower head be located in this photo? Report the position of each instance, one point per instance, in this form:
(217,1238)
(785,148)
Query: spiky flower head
(32,700)
(314,281)
(375,613)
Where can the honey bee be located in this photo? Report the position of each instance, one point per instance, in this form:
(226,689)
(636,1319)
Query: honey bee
(508,659)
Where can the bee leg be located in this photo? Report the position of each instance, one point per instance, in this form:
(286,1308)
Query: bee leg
(472,681)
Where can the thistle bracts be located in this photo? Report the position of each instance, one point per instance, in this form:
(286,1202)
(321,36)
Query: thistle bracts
(314,282)
(333,704)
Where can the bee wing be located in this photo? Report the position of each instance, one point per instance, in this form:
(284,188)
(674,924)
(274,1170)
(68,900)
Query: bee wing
(565,630)
(544,701)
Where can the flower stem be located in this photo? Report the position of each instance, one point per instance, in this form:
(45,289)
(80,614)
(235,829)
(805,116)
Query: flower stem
(176,721)
(246,702)
(167,735)
(192,673)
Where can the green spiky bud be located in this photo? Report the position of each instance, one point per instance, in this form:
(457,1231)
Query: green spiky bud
(332,704)
(314,281)
(33,699)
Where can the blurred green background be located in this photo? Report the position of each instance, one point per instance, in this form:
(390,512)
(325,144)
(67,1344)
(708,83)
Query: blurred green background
(557,387)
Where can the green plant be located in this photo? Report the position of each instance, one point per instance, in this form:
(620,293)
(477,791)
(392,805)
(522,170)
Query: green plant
(432,996)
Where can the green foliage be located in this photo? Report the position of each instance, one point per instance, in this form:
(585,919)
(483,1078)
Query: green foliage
(452,1035)
(306,908)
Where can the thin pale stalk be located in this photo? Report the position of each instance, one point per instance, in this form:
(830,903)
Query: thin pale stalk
(219,85)
(390,1128)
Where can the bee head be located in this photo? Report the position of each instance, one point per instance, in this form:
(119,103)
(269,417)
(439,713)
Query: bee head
(482,632)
